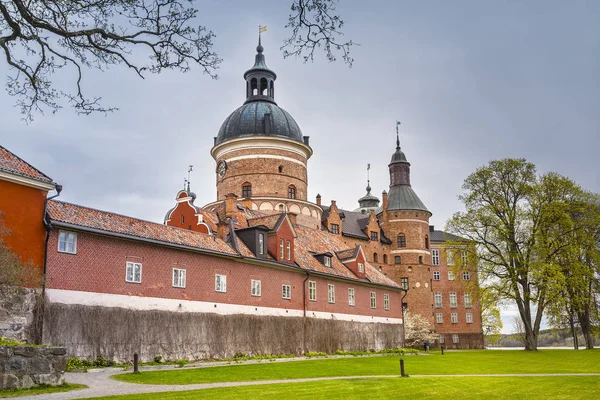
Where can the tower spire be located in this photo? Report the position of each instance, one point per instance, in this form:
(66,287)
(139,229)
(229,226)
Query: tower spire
(190,169)
(368,179)
(397,135)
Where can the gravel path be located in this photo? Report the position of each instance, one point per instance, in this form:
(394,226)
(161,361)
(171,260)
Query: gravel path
(100,384)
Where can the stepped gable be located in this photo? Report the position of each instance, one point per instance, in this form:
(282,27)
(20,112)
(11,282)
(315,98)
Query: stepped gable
(86,217)
(353,223)
(11,163)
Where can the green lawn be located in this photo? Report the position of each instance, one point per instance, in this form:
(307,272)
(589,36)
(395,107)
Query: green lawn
(471,362)
(40,390)
(394,388)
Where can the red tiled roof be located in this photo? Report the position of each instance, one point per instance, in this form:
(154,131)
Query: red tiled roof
(269,221)
(109,222)
(13,164)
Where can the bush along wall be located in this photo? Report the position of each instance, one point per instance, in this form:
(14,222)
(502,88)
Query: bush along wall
(117,333)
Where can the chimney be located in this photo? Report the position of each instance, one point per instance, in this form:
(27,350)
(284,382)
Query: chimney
(333,203)
(319,200)
(247,203)
(221,229)
(230,204)
(384,200)
(431,228)
(292,217)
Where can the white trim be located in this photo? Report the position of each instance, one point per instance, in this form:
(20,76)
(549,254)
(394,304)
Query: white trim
(261,142)
(409,220)
(410,251)
(283,158)
(266,198)
(155,303)
(23,180)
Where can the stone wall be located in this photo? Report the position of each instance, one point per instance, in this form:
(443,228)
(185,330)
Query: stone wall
(17,312)
(116,333)
(24,367)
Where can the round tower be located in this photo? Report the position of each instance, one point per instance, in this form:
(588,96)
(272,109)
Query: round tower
(405,220)
(261,153)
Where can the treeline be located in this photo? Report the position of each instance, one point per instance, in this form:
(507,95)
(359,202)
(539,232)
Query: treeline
(546,338)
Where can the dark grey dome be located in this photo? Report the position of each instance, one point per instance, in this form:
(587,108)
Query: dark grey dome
(398,156)
(259,118)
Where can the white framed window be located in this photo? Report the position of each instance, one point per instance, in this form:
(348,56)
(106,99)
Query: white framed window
(441,339)
(452,299)
(468,301)
(450,257)
(469,318)
(466,275)
(455,338)
(133,272)
(451,275)
(435,257)
(439,318)
(255,291)
(454,318)
(331,293)
(438,299)
(386,301)
(373,300)
(327,261)
(178,277)
(436,275)
(464,258)
(220,283)
(67,242)
(289,250)
(351,300)
(361,267)
(312,290)
(261,244)
(286,291)
(281,253)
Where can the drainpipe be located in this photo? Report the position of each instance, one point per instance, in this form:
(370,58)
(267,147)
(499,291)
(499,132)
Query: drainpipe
(48,227)
(304,291)
(403,318)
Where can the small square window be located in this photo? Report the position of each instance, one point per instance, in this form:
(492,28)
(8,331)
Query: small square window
(335,228)
(466,276)
(312,290)
(255,288)
(331,293)
(178,277)
(439,318)
(397,260)
(373,300)
(220,283)
(351,297)
(286,291)
(386,301)
(67,242)
(436,275)
(374,236)
(133,272)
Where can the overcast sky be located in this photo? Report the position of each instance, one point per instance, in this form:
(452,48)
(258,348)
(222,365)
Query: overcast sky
(471,81)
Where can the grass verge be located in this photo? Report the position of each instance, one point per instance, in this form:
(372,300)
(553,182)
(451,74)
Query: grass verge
(9,393)
(472,362)
(561,388)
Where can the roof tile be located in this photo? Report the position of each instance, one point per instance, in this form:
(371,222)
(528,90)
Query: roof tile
(13,164)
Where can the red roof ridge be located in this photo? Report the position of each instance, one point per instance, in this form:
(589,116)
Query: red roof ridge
(40,176)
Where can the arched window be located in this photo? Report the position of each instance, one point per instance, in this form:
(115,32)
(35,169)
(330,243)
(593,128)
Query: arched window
(254,86)
(426,241)
(291,192)
(385,258)
(272,89)
(182,218)
(374,257)
(397,260)
(264,86)
(281,208)
(280,169)
(401,240)
(247,190)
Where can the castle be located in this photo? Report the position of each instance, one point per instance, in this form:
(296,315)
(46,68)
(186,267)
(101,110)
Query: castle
(261,269)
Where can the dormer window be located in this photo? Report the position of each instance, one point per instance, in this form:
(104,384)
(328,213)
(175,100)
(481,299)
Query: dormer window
(335,228)
(361,268)
(261,244)
(327,261)
(374,236)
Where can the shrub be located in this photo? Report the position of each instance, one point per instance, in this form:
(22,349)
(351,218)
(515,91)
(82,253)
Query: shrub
(9,342)
(100,362)
(157,359)
(74,363)
(181,362)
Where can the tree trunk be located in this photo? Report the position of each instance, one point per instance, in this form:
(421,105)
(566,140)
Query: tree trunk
(574,333)
(586,328)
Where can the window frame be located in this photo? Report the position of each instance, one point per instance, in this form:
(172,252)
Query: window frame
(466,275)
(66,235)
(404,283)
(397,260)
(386,301)
(441,339)
(436,275)
(374,236)
(246,190)
(438,296)
(469,318)
(453,296)
(450,257)
(361,268)
(327,261)
(373,302)
(401,241)
(281,249)
(133,265)
(220,283)
(312,291)
(468,300)
(255,288)
(455,338)
(435,257)
(286,291)
(454,318)
(464,258)
(335,229)
(439,318)
(451,275)
(292,192)
(351,297)
(261,243)
(330,293)
(179,273)
(288,247)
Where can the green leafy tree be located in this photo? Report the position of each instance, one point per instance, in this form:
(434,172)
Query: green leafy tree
(509,210)
(37,38)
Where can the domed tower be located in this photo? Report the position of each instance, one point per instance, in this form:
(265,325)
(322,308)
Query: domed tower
(405,220)
(261,153)
(368,202)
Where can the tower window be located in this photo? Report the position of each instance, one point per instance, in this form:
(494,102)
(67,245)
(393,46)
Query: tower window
(385,258)
(401,241)
(272,89)
(426,241)
(397,260)
(420,259)
(374,235)
(280,169)
(375,257)
(247,190)
(254,86)
(292,192)
(263,87)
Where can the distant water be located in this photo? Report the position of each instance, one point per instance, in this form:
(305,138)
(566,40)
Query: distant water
(539,348)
